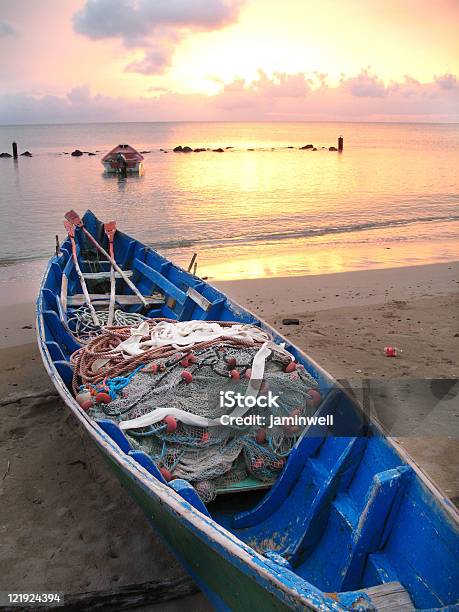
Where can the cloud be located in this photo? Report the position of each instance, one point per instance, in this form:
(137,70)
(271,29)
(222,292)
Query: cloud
(447,81)
(157,57)
(366,85)
(280,97)
(155,26)
(6,29)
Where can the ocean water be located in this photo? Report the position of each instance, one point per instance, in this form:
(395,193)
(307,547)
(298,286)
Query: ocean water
(390,199)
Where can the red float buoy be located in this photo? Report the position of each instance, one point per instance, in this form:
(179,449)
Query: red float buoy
(153,368)
(315,396)
(192,358)
(291,367)
(231,362)
(187,376)
(205,436)
(86,405)
(103,398)
(166,474)
(293,428)
(83,396)
(184,362)
(235,375)
(261,436)
(171,423)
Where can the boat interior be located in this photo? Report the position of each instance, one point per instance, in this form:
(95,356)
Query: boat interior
(347,512)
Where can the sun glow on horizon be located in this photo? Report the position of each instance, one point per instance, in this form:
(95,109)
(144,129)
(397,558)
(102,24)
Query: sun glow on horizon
(126,61)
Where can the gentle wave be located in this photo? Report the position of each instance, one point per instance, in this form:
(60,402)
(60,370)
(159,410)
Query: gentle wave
(280,236)
(303,233)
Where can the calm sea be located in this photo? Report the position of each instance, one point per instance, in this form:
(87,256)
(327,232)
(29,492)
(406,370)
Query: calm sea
(390,199)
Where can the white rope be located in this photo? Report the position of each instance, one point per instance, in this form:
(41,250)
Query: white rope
(83,324)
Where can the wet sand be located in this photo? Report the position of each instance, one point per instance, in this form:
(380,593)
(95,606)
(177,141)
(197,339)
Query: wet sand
(67,524)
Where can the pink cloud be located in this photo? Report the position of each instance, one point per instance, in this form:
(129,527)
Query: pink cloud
(281,97)
(366,85)
(447,81)
(156,27)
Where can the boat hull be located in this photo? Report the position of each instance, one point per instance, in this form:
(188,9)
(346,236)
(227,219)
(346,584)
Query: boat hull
(231,573)
(113,168)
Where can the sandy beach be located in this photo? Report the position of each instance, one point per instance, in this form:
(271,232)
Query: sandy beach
(67,525)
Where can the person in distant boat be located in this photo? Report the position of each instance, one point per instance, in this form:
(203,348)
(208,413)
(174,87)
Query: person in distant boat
(122,164)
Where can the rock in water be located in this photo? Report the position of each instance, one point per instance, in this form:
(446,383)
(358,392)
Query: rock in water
(187,150)
(308,146)
(76,153)
(5,155)
(26,154)
(332,149)
(219,150)
(178,149)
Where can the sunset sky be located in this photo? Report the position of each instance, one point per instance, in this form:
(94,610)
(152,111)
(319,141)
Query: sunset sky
(133,60)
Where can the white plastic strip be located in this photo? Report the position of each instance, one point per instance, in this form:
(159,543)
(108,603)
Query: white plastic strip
(184,335)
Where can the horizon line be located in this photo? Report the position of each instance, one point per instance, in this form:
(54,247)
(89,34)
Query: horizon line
(2,125)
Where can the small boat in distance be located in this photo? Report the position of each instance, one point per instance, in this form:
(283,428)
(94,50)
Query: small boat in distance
(123,159)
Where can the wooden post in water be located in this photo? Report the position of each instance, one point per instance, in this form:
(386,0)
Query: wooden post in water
(340,144)
(15,150)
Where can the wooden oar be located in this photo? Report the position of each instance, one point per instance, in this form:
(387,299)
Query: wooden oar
(71,232)
(75,219)
(110,229)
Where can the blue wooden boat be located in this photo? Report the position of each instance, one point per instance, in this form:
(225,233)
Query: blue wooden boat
(352,523)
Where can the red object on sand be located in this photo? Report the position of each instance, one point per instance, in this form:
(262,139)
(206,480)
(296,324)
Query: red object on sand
(390,351)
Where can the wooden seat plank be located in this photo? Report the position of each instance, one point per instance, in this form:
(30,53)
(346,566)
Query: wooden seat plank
(104,298)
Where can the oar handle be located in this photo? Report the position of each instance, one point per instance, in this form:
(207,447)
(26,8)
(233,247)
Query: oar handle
(110,229)
(71,232)
(73,218)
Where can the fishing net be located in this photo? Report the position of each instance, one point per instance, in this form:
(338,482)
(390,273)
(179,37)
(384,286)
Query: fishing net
(168,384)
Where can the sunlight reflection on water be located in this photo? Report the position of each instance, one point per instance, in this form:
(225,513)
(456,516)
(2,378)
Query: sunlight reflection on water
(247,213)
